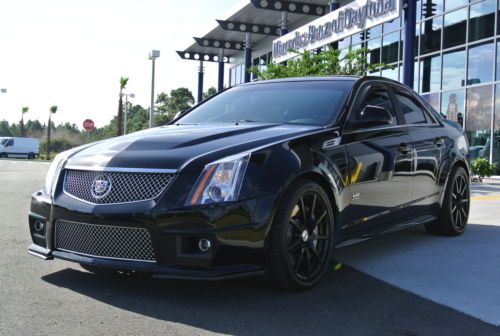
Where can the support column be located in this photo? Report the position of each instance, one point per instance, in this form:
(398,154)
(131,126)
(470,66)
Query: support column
(334,5)
(220,83)
(201,73)
(284,24)
(409,43)
(248,56)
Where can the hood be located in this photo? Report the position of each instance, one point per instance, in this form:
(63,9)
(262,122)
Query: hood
(187,148)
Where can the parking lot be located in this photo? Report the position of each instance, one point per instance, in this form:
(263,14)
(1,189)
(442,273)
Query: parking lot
(407,283)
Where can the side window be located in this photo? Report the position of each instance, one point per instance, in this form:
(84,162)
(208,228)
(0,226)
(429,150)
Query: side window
(10,143)
(411,108)
(377,97)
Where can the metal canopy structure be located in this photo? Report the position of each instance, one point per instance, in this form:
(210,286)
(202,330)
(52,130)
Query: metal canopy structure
(254,12)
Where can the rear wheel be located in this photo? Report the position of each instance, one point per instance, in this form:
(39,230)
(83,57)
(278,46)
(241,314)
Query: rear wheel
(301,237)
(31,156)
(3,155)
(455,209)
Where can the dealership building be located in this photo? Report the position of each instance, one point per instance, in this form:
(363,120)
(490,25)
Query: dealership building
(452,56)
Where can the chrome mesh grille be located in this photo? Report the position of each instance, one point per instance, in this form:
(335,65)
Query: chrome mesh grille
(124,187)
(117,242)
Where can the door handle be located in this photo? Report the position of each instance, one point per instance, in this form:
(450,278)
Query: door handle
(404,148)
(439,142)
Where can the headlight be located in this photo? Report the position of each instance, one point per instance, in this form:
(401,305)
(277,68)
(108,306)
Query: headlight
(220,181)
(53,173)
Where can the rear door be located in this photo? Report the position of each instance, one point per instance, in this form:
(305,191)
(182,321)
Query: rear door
(380,162)
(427,141)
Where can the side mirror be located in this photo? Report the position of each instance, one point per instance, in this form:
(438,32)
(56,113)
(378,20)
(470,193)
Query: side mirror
(372,116)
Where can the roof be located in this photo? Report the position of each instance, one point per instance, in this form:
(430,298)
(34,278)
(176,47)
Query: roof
(247,12)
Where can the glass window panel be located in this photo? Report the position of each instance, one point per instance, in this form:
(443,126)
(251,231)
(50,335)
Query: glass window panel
(392,25)
(481,63)
(345,42)
(390,47)
(373,47)
(482,20)
(238,74)
(498,60)
(357,38)
(430,76)
(374,31)
(453,69)
(496,133)
(431,7)
(454,28)
(430,39)
(433,100)
(450,4)
(453,105)
(391,73)
(419,9)
(412,111)
(478,105)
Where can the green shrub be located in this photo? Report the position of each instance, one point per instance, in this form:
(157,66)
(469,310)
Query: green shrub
(482,167)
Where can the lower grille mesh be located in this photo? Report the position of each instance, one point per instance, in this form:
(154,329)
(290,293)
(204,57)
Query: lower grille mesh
(117,242)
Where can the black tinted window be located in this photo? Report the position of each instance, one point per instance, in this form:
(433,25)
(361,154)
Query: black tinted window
(10,142)
(301,102)
(378,97)
(411,108)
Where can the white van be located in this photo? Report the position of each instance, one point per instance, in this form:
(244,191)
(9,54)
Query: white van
(19,147)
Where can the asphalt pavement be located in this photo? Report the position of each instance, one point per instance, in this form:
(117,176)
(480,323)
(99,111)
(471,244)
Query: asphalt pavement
(408,283)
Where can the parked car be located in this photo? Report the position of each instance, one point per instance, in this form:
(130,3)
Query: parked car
(28,148)
(266,177)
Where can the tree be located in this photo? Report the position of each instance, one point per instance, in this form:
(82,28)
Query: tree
(180,99)
(209,93)
(53,110)
(123,84)
(328,62)
(24,110)
(5,128)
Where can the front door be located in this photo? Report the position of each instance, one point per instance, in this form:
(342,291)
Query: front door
(380,161)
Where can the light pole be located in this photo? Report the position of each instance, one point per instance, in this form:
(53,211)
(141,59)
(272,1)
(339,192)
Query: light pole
(153,55)
(131,95)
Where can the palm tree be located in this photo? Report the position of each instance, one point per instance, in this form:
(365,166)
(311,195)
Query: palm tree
(24,110)
(53,110)
(119,121)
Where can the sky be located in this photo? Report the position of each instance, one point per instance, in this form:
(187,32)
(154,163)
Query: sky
(72,53)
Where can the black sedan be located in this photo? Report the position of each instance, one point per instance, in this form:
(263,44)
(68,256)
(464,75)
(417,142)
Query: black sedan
(266,177)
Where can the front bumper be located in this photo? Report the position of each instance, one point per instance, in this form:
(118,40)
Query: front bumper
(237,233)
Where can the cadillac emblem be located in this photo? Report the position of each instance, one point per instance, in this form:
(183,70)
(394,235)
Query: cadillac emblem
(101,186)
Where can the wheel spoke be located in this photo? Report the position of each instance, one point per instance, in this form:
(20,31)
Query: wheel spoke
(294,222)
(320,219)
(293,245)
(453,195)
(303,210)
(299,261)
(315,254)
(313,207)
(462,210)
(308,262)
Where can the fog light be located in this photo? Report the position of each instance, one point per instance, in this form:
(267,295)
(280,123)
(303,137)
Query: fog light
(204,245)
(38,226)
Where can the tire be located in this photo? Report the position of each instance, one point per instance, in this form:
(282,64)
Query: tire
(31,156)
(454,213)
(3,155)
(301,237)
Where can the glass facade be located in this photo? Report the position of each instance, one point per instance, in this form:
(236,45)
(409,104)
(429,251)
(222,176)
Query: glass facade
(457,64)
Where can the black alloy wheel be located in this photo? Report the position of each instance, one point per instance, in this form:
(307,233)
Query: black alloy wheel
(301,237)
(456,204)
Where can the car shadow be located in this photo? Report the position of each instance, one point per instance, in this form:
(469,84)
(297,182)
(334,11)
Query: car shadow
(347,302)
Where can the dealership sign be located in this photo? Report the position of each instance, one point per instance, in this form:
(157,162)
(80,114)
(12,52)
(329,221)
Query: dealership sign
(349,19)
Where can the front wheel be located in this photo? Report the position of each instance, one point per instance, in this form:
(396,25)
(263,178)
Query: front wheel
(301,237)
(455,209)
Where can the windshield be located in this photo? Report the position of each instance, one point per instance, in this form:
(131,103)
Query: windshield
(301,102)
(4,141)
